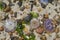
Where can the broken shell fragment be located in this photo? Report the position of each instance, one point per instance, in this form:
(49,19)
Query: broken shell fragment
(34,23)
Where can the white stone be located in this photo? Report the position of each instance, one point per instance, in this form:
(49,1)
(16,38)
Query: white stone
(10,25)
(52,36)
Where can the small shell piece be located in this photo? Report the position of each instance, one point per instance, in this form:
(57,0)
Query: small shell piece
(34,23)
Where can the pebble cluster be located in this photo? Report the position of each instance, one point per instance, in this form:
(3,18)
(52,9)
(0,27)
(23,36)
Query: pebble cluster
(29,19)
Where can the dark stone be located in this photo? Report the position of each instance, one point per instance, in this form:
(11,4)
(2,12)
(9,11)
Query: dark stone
(15,14)
(19,3)
(27,18)
(43,5)
(50,1)
(14,38)
(22,8)
(31,7)
(3,5)
(10,4)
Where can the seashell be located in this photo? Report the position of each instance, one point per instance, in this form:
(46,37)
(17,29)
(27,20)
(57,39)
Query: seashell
(34,23)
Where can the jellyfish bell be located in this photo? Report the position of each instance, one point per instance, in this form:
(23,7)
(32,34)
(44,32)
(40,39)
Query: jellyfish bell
(48,25)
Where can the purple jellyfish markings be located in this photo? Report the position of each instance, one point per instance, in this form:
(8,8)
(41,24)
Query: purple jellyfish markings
(48,25)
